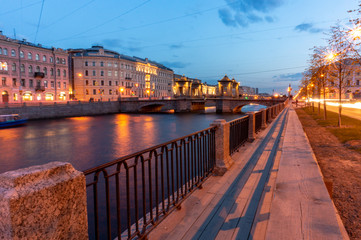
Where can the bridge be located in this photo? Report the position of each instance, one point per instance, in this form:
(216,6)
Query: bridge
(223,105)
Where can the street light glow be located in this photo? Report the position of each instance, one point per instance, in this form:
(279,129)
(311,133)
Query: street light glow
(355,33)
(330,56)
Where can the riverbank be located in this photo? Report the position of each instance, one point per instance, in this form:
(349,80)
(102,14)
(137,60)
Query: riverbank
(340,166)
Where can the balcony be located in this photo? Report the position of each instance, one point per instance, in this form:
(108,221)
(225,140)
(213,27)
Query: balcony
(39,75)
(39,88)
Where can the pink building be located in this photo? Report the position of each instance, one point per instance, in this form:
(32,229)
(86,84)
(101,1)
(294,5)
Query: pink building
(30,72)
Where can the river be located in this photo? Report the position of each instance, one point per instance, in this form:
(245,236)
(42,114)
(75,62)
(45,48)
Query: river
(87,142)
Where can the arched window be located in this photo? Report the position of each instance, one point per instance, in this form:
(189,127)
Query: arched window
(37,69)
(86,91)
(52,71)
(44,58)
(64,73)
(22,68)
(5,51)
(86,73)
(37,57)
(30,69)
(57,60)
(13,67)
(13,53)
(21,54)
(30,55)
(58,72)
(51,59)
(45,71)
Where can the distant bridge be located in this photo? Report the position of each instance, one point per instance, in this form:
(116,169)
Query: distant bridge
(223,105)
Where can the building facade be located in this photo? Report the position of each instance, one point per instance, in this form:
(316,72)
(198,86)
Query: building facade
(103,75)
(32,73)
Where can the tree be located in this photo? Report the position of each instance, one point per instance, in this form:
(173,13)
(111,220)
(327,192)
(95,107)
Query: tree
(340,57)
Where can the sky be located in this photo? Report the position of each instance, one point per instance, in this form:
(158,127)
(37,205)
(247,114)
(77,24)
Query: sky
(261,43)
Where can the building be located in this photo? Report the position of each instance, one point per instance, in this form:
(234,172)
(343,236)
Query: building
(32,73)
(101,75)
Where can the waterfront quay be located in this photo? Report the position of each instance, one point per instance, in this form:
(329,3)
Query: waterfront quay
(243,179)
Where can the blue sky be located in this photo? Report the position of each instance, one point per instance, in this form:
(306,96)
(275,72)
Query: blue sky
(261,43)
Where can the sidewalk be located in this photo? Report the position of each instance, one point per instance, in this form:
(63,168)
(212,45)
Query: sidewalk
(274,190)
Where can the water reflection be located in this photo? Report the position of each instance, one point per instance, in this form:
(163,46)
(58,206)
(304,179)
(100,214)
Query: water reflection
(86,142)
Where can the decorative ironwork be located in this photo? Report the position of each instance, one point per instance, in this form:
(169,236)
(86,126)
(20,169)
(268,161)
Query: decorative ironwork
(129,196)
(238,133)
(258,121)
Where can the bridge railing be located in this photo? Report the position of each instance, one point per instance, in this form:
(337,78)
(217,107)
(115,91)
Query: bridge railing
(129,196)
(238,133)
(258,121)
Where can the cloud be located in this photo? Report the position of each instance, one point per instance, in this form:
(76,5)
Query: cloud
(307,27)
(176,46)
(292,77)
(245,12)
(226,16)
(117,43)
(175,64)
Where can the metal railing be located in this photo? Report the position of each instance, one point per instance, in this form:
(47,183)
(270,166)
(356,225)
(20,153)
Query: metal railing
(238,133)
(129,196)
(267,115)
(258,121)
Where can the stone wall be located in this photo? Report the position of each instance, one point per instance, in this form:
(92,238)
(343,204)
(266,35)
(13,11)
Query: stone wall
(72,109)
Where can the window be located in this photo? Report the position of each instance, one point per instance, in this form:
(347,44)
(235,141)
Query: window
(14,82)
(86,82)
(109,64)
(51,71)
(30,68)
(94,73)
(45,71)
(63,61)
(22,68)
(64,85)
(59,84)
(22,82)
(37,57)
(109,73)
(3,81)
(13,53)
(37,69)
(38,83)
(115,73)
(94,83)
(57,60)
(52,84)
(86,92)
(58,72)
(31,83)
(5,51)
(64,73)
(357,82)
(86,63)
(46,84)
(21,54)
(101,73)
(102,64)
(116,83)
(1,51)
(44,58)
(102,83)
(110,92)
(13,67)
(116,65)
(86,73)
(30,55)
(110,83)
(51,59)
(94,92)
(93,64)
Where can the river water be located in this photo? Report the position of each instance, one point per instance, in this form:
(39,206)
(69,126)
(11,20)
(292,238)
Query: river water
(87,142)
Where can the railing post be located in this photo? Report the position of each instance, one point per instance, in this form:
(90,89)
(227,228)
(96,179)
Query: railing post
(274,114)
(269,114)
(223,157)
(251,127)
(43,202)
(264,118)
